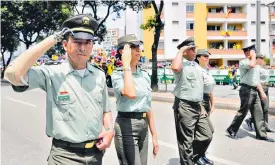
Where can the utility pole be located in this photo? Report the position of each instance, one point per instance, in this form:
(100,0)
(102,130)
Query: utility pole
(270,34)
(258,27)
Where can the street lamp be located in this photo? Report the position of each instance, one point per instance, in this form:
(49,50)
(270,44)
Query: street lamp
(270,33)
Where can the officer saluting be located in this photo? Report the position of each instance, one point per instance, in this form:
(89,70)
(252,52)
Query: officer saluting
(77,96)
(264,77)
(193,127)
(250,85)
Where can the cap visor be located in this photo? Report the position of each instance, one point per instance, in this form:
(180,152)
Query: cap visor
(137,42)
(83,36)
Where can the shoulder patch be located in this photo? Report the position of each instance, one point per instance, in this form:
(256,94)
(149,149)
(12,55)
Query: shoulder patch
(96,66)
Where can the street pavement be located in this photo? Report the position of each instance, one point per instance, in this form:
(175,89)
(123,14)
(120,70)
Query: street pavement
(221,91)
(24,140)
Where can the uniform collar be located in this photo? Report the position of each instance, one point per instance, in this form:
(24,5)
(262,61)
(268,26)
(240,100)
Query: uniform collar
(67,67)
(189,62)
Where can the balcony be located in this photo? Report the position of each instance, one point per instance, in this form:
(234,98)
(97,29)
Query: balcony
(214,33)
(162,33)
(226,51)
(229,16)
(189,15)
(272,15)
(190,32)
(237,16)
(215,15)
(239,33)
(160,52)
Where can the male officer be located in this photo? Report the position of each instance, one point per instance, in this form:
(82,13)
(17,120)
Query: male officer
(193,126)
(250,85)
(77,97)
(264,76)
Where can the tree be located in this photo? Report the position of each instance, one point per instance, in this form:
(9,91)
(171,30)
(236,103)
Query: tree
(38,18)
(9,35)
(112,7)
(156,24)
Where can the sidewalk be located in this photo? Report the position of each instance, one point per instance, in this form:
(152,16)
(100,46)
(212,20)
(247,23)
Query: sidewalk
(220,103)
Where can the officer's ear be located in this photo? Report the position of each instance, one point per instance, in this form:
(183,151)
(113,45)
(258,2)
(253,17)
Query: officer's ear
(120,51)
(65,44)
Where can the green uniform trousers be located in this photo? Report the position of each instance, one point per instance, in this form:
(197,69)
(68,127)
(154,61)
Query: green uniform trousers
(193,129)
(249,101)
(131,140)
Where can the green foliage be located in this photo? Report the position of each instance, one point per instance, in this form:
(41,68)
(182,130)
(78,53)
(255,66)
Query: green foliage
(150,24)
(267,61)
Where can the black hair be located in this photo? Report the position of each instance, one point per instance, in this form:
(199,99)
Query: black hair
(196,59)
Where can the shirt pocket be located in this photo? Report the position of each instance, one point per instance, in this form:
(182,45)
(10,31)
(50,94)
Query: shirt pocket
(65,104)
(191,79)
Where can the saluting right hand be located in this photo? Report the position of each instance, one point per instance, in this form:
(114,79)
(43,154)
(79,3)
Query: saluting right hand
(126,55)
(59,36)
(185,48)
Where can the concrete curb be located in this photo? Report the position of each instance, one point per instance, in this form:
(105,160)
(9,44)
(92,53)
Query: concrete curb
(219,105)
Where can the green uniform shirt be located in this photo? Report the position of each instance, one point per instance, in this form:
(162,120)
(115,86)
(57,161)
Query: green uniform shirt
(189,82)
(264,75)
(75,105)
(142,102)
(209,81)
(249,76)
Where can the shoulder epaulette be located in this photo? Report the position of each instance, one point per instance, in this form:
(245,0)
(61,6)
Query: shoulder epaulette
(96,66)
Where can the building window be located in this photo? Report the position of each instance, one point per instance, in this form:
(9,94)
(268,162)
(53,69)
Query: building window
(262,22)
(235,9)
(175,4)
(190,8)
(253,22)
(175,40)
(253,4)
(215,10)
(232,45)
(190,25)
(214,27)
(262,40)
(253,40)
(175,22)
(215,45)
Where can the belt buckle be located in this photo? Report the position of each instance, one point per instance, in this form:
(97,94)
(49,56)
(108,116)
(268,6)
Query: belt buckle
(90,145)
(144,114)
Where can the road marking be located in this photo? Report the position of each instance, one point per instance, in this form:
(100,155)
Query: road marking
(220,160)
(19,101)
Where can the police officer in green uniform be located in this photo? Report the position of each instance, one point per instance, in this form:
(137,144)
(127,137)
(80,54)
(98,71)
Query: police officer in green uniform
(202,58)
(77,97)
(193,126)
(264,77)
(250,99)
(132,89)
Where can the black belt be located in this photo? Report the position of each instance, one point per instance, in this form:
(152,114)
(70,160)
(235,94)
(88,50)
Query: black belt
(84,145)
(190,102)
(248,86)
(132,114)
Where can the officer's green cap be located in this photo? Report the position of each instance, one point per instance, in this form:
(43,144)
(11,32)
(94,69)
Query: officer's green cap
(203,52)
(248,48)
(259,56)
(190,41)
(128,39)
(83,26)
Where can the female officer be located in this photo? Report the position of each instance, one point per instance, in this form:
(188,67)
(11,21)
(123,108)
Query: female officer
(133,94)
(202,58)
